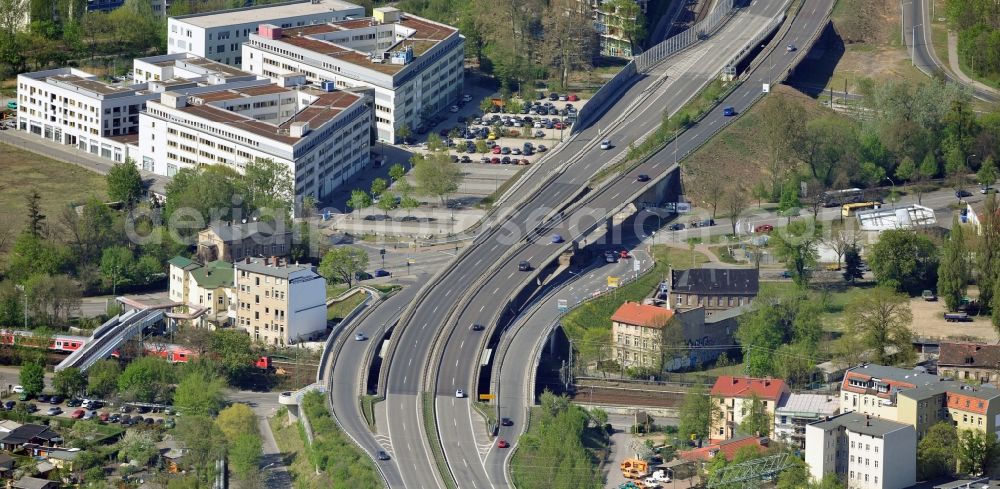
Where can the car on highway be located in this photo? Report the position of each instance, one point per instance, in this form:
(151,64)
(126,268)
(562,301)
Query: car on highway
(557,238)
(477,327)
(642,178)
(506,422)
(78,414)
(459,393)
(790,48)
(624,254)
(610,256)
(360,337)
(501,443)
(605,144)
(53,411)
(524,266)
(381,455)
(728,111)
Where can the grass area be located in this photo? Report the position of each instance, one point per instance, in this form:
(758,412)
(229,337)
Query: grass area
(293,450)
(430,426)
(488,411)
(333,290)
(368,409)
(340,310)
(559,447)
(490,199)
(59,184)
(590,323)
(332,452)
(386,288)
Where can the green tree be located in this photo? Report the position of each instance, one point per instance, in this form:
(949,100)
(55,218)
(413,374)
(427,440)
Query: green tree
(954,270)
(988,258)
(904,260)
(403,132)
(235,420)
(202,439)
(437,175)
(359,200)
(102,378)
(481,146)
(36,220)
(880,321)
(795,244)
(146,379)
(936,451)
(342,263)
(69,382)
(117,266)
(907,169)
(852,264)
(235,351)
(124,183)
(244,454)
(198,394)
(33,378)
(987,173)
(34,255)
(397,172)
(212,192)
(697,413)
(137,446)
(269,185)
(387,202)
(756,421)
(379,185)
(976,451)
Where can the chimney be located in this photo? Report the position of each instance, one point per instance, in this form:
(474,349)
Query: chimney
(274,260)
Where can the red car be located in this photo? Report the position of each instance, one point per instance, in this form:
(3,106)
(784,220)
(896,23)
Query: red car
(501,443)
(763,228)
(496,150)
(624,254)
(572,97)
(77,414)
(104,417)
(495,161)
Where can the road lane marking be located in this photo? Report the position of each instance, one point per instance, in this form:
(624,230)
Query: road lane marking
(435,311)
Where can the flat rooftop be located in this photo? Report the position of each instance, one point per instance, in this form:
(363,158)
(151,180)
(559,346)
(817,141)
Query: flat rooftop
(266,13)
(326,107)
(426,35)
(91,84)
(860,423)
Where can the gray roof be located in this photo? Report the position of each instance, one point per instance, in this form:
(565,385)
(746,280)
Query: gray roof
(895,373)
(727,281)
(228,231)
(32,483)
(968,483)
(734,312)
(815,404)
(257,265)
(860,423)
(925,391)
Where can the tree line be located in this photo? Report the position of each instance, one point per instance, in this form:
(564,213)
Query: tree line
(978,25)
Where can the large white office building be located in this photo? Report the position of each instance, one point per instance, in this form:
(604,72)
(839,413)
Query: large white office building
(412,67)
(218,35)
(322,136)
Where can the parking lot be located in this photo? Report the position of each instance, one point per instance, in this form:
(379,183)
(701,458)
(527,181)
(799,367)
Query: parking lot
(126,413)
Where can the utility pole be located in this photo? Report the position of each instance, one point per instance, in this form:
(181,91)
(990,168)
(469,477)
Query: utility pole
(913,42)
(24,291)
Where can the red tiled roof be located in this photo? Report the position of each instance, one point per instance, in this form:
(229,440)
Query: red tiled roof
(972,355)
(726,448)
(642,315)
(967,403)
(767,389)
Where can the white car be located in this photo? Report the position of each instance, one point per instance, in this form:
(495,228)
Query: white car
(466,98)
(605,144)
(453,108)
(360,337)
(18,389)
(459,393)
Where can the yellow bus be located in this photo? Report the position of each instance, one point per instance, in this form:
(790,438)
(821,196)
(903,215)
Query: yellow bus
(848,210)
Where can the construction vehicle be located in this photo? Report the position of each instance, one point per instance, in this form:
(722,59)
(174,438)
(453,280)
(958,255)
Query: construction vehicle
(634,468)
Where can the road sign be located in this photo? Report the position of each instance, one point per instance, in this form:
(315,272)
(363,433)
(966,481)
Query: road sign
(683,207)
(613,281)
(562,305)
(486,397)
(636,265)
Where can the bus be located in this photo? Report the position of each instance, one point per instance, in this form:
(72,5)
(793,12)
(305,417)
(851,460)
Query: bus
(848,210)
(834,198)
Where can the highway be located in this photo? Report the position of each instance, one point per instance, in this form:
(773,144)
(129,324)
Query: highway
(463,437)
(916,14)
(463,440)
(349,367)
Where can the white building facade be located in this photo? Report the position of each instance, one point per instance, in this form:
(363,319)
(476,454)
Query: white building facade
(412,67)
(865,451)
(219,35)
(279,303)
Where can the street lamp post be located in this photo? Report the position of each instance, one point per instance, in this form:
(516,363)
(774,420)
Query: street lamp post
(913,45)
(893,193)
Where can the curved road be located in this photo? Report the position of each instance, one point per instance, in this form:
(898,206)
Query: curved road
(921,49)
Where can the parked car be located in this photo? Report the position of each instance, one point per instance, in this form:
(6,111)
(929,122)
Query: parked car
(961,193)
(929,296)
(541,148)
(957,317)
(126,419)
(572,97)
(149,421)
(104,416)
(56,399)
(74,402)
(624,254)
(677,226)
(553,96)
(18,389)
(126,408)
(53,411)
(142,409)
(169,423)
(114,418)
(466,159)
(763,228)
(78,414)
(786,274)
(381,272)
(43,398)
(90,414)
(7,406)
(505,160)
(31,407)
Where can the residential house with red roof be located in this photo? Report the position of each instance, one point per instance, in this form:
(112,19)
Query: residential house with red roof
(733,395)
(637,333)
(975,362)
(725,448)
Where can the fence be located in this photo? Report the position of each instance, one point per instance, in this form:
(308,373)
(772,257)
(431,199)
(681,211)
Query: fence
(690,36)
(321,371)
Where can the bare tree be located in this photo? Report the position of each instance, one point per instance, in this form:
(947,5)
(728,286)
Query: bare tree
(841,241)
(713,189)
(569,37)
(778,125)
(734,202)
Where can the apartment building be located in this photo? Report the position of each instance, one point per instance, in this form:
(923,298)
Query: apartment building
(321,135)
(797,411)
(637,333)
(609,22)
(715,289)
(971,362)
(410,66)
(865,451)
(219,35)
(75,108)
(234,241)
(279,303)
(206,291)
(733,395)
(872,389)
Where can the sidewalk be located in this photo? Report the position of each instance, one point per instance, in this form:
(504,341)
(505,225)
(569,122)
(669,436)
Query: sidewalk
(957,70)
(70,154)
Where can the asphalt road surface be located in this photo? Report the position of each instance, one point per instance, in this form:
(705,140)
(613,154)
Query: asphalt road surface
(685,75)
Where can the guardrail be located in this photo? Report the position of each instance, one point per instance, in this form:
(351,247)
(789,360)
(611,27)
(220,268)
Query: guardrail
(690,36)
(328,347)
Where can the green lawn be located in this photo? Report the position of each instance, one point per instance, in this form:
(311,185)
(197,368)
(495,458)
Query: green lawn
(290,444)
(340,310)
(591,322)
